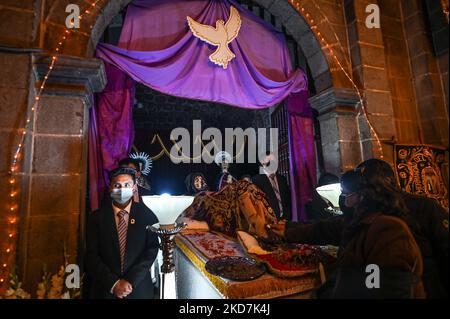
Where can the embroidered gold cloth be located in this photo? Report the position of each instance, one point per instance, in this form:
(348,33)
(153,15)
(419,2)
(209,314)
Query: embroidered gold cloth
(237,206)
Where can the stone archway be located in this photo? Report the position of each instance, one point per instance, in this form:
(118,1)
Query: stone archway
(336,97)
(83,41)
(292,20)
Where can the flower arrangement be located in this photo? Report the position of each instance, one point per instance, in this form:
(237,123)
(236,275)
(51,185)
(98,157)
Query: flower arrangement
(52,286)
(15,291)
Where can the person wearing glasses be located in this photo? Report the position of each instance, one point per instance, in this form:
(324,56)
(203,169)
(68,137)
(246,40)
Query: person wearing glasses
(374,237)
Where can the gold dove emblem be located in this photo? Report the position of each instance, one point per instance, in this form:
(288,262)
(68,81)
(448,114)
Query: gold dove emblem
(220,36)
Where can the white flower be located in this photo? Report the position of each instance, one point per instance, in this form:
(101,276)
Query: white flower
(65,295)
(9,293)
(16,294)
(22,294)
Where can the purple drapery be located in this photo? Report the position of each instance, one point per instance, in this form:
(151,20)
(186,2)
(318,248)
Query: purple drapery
(157,49)
(111,130)
(302,153)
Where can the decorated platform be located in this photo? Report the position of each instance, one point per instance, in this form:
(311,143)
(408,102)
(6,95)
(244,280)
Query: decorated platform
(196,248)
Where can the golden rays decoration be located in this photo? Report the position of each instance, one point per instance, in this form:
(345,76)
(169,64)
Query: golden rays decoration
(183,157)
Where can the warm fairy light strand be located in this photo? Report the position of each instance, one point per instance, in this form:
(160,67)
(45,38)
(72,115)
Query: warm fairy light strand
(334,32)
(13,194)
(361,101)
(313,26)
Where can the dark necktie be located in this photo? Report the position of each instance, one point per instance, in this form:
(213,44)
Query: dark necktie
(274,183)
(122,232)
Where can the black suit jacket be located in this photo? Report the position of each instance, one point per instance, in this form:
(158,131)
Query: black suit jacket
(263,182)
(103,255)
(431,234)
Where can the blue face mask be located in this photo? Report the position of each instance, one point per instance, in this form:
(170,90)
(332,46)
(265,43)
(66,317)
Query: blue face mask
(122,195)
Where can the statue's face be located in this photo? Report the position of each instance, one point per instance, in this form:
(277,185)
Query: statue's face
(198,182)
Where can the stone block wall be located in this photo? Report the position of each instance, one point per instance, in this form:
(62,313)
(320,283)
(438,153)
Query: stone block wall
(16,92)
(429,78)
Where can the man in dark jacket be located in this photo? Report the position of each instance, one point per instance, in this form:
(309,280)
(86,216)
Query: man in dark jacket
(431,234)
(275,187)
(120,249)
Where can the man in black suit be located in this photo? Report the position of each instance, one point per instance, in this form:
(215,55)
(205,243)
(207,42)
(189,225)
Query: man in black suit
(120,249)
(275,187)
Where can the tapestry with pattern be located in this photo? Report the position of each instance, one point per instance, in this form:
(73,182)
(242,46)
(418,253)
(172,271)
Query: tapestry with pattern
(419,170)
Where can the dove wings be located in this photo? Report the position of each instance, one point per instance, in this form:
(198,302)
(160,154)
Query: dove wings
(220,36)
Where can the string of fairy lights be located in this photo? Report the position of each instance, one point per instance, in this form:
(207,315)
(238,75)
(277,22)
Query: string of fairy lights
(13,218)
(444,5)
(8,253)
(301,9)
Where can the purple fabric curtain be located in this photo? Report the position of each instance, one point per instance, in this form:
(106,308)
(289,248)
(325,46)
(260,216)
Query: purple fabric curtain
(111,130)
(157,48)
(302,153)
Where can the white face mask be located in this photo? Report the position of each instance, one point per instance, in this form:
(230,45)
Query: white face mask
(122,195)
